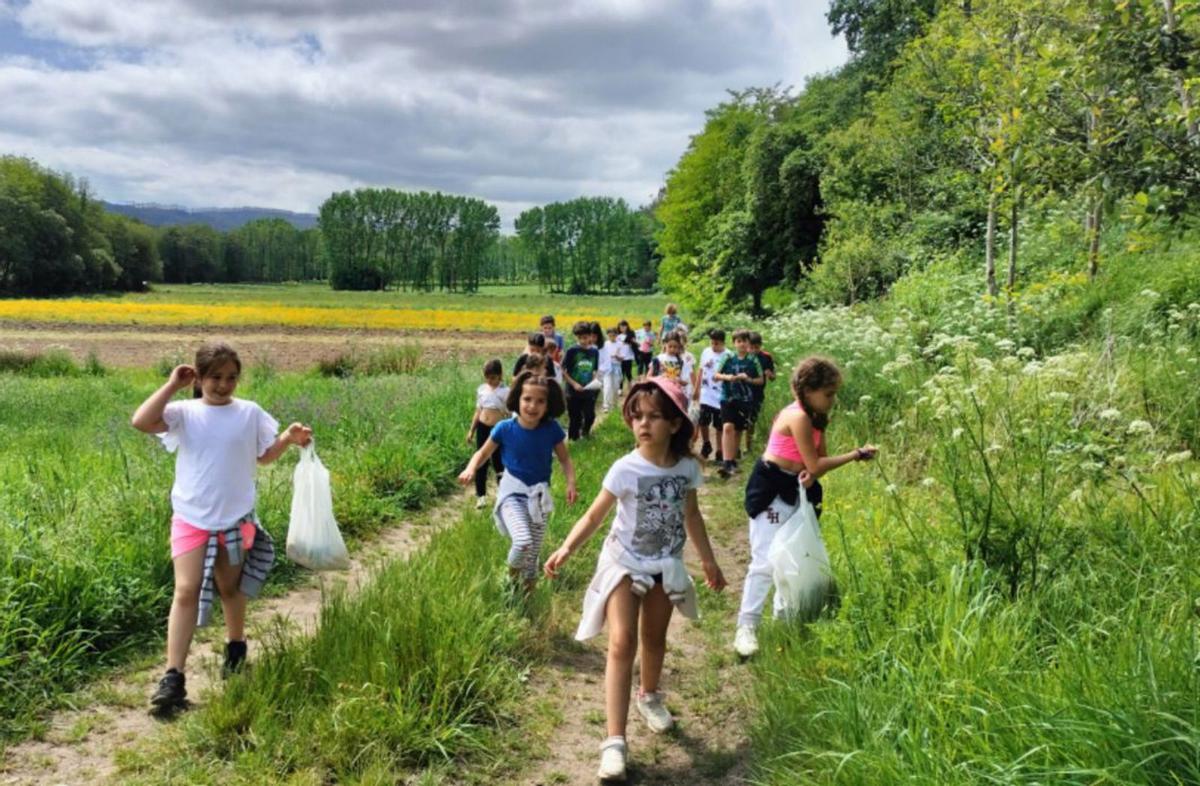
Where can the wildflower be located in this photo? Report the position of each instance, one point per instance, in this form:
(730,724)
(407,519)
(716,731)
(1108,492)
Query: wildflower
(1179,458)
(1026,353)
(1110,414)
(1077,495)
(892,489)
(927,482)
(864,399)
(958,432)
(1005,345)
(1140,427)
(1031,368)
(1149,293)
(1091,466)
(1058,396)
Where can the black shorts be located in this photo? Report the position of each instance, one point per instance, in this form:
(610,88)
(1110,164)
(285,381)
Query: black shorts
(710,416)
(737,413)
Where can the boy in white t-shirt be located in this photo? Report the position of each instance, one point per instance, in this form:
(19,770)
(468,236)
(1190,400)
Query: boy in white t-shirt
(708,393)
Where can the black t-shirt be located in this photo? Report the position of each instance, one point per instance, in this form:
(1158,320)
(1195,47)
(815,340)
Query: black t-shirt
(767,363)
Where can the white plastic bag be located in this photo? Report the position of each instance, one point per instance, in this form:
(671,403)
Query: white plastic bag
(313,537)
(800,565)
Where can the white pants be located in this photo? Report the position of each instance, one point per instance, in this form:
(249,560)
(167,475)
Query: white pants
(758,578)
(611,386)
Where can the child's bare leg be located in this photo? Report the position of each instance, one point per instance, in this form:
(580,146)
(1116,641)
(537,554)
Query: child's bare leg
(621,614)
(233,600)
(729,443)
(656,615)
(181,623)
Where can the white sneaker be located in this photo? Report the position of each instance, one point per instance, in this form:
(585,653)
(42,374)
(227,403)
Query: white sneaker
(480,503)
(745,641)
(612,759)
(650,706)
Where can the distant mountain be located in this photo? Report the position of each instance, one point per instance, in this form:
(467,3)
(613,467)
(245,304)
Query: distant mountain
(222,219)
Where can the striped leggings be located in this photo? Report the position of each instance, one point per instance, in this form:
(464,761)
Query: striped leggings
(527,536)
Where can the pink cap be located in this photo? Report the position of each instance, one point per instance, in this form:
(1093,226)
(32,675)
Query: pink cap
(671,388)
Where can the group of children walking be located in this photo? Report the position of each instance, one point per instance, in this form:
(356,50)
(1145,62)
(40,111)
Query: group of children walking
(640,578)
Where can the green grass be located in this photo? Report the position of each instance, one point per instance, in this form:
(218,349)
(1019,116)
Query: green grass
(421,669)
(489,298)
(1019,568)
(85,575)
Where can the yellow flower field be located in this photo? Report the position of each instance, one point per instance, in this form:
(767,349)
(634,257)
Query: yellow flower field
(115,313)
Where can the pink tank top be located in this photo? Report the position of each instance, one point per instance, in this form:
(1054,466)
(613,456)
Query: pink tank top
(781,443)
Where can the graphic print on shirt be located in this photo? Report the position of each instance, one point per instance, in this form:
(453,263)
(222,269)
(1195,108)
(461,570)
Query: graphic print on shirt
(659,531)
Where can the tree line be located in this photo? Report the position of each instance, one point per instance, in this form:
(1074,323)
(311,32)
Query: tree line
(377,238)
(954,127)
(590,244)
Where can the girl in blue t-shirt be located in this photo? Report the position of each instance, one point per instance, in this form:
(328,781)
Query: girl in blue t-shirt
(528,443)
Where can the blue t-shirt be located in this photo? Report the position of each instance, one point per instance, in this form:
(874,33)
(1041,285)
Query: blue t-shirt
(528,453)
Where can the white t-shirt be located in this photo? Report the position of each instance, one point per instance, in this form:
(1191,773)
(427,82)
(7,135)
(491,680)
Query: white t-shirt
(710,364)
(689,369)
(624,349)
(488,397)
(650,504)
(607,355)
(217,450)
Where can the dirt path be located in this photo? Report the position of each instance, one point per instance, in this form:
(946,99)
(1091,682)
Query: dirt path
(705,682)
(287,349)
(80,746)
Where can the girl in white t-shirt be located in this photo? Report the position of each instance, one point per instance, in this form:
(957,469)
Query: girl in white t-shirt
(491,407)
(640,570)
(215,536)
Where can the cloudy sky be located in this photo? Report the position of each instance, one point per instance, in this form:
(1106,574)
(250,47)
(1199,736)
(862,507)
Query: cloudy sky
(278,103)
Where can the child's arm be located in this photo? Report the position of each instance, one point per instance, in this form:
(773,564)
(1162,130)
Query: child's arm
(815,461)
(479,459)
(564,458)
(149,416)
(693,522)
(474,425)
(295,434)
(583,529)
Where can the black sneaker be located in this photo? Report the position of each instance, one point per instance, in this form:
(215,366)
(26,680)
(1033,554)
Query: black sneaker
(726,469)
(706,451)
(171,693)
(719,458)
(235,657)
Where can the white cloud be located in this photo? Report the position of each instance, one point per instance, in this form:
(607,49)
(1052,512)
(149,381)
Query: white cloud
(274,103)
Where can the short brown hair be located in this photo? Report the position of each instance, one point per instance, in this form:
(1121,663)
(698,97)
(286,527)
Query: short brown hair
(681,440)
(815,373)
(556,405)
(741,334)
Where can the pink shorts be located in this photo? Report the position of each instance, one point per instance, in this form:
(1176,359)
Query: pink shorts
(185,537)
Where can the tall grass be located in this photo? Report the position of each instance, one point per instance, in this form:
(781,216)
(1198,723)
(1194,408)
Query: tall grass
(421,667)
(1020,568)
(85,574)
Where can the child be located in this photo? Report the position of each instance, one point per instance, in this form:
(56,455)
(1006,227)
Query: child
(628,351)
(645,347)
(579,370)
(536,346)
(671,321)
(708,392)
(528,442)
(795,454)
(490,408)
(670,363)
(691,373)
(610,369)
(641,565)
(738,374)
(767,363)
(554,339)
(218,440)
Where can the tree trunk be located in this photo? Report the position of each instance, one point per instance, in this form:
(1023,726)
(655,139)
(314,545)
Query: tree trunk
(1012,242)
(1185,97)
(1094,219)
(990,247)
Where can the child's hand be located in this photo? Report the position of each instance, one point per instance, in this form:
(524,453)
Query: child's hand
(572,494)
(182,377)
(470,437)
(465,477)
(867,452)
(713,577)
(806,479)
(298,434)
(556,561)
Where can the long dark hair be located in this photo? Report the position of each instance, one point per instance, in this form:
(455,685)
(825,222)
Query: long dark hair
(211,357)
(556,404)
(814,373)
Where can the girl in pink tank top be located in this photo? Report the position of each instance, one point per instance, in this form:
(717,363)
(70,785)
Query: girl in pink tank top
(795,454)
